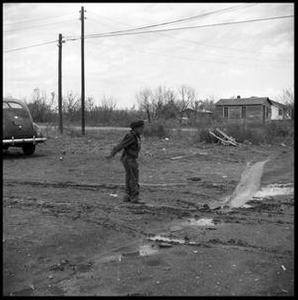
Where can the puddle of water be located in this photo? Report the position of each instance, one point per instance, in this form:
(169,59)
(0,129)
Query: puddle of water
(110,258)
(274,190)
(200,222)
(166,239)
(246,206)
(146,250)
(143,250)
(248,185)
(169,240)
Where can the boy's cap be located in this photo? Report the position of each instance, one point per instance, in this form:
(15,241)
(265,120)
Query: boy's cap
(138,123)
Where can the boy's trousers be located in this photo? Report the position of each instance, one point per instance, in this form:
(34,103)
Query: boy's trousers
(132,187)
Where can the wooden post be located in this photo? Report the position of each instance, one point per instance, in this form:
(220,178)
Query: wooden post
(83,71)
(60,83)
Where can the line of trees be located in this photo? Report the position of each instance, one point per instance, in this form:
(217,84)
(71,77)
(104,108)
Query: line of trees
(168,103)
(44,109)
(161,103)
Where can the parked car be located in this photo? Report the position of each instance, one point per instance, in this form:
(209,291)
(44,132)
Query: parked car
(19,130)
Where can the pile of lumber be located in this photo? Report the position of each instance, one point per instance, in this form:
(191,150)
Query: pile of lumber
(223,137)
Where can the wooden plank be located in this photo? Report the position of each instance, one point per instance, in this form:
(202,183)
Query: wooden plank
(222,140)
(224,134)
(228,137)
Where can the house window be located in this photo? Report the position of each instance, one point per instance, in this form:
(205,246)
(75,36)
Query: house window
(243,112)
(280,112)
(267,112)
(226,112)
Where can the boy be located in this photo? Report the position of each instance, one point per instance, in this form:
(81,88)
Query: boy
(131,145)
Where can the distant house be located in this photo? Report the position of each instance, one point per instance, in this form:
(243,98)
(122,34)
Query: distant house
(256,109)
(279,111)
(190,113)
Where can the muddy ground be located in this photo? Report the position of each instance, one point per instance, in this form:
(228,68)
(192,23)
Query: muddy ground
(66,230)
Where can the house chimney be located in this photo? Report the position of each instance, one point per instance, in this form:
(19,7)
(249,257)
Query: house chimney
(238,97)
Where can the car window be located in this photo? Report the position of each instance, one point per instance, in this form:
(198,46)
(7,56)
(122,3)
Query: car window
(15,109)
(15,105)
(5,105)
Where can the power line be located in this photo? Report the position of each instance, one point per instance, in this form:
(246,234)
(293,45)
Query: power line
(193,42)
(220,47)
(170,22)
(36,45)
(37,26)
(37,19)
(187,27)
(177,21)
(195,59)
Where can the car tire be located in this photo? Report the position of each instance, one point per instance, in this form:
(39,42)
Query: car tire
(28,149)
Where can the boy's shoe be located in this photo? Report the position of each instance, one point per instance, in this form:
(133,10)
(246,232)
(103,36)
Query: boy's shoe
(137,200)
(126,198)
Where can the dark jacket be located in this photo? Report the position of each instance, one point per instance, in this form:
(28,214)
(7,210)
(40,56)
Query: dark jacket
(131,145)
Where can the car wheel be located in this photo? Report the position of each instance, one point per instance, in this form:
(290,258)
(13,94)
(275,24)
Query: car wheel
(28,149)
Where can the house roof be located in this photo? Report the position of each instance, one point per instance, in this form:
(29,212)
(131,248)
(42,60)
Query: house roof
(277,104)
(198,111)
(244,101)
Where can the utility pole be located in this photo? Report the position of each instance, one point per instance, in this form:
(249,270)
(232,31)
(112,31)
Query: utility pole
(60,82)
(83,70)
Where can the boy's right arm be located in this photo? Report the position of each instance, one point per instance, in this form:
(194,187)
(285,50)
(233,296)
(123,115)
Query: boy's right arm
(127,140)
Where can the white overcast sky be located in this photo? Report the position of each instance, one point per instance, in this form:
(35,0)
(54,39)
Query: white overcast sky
(249,59)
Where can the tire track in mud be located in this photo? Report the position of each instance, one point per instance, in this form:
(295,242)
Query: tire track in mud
(83,210)
(74,212)
(96,186)
(230,244)
(65,184)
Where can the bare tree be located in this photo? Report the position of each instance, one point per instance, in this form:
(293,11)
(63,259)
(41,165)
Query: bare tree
(38,106)
(71,105)
(52,101)
(108,103)
(145,102)
(89,105)
(209,103)
(186,95)
(161,96)
(196,106)
(169,108)
(287,97)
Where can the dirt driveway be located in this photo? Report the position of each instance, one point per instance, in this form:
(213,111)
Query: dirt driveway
(67,232)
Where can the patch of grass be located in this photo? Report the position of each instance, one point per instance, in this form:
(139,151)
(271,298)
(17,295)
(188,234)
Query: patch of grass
(156,129)
(273,132)
(242,133)
(278,130)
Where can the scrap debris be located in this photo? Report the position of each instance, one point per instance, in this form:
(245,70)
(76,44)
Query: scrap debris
(177,157)
(223,137)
